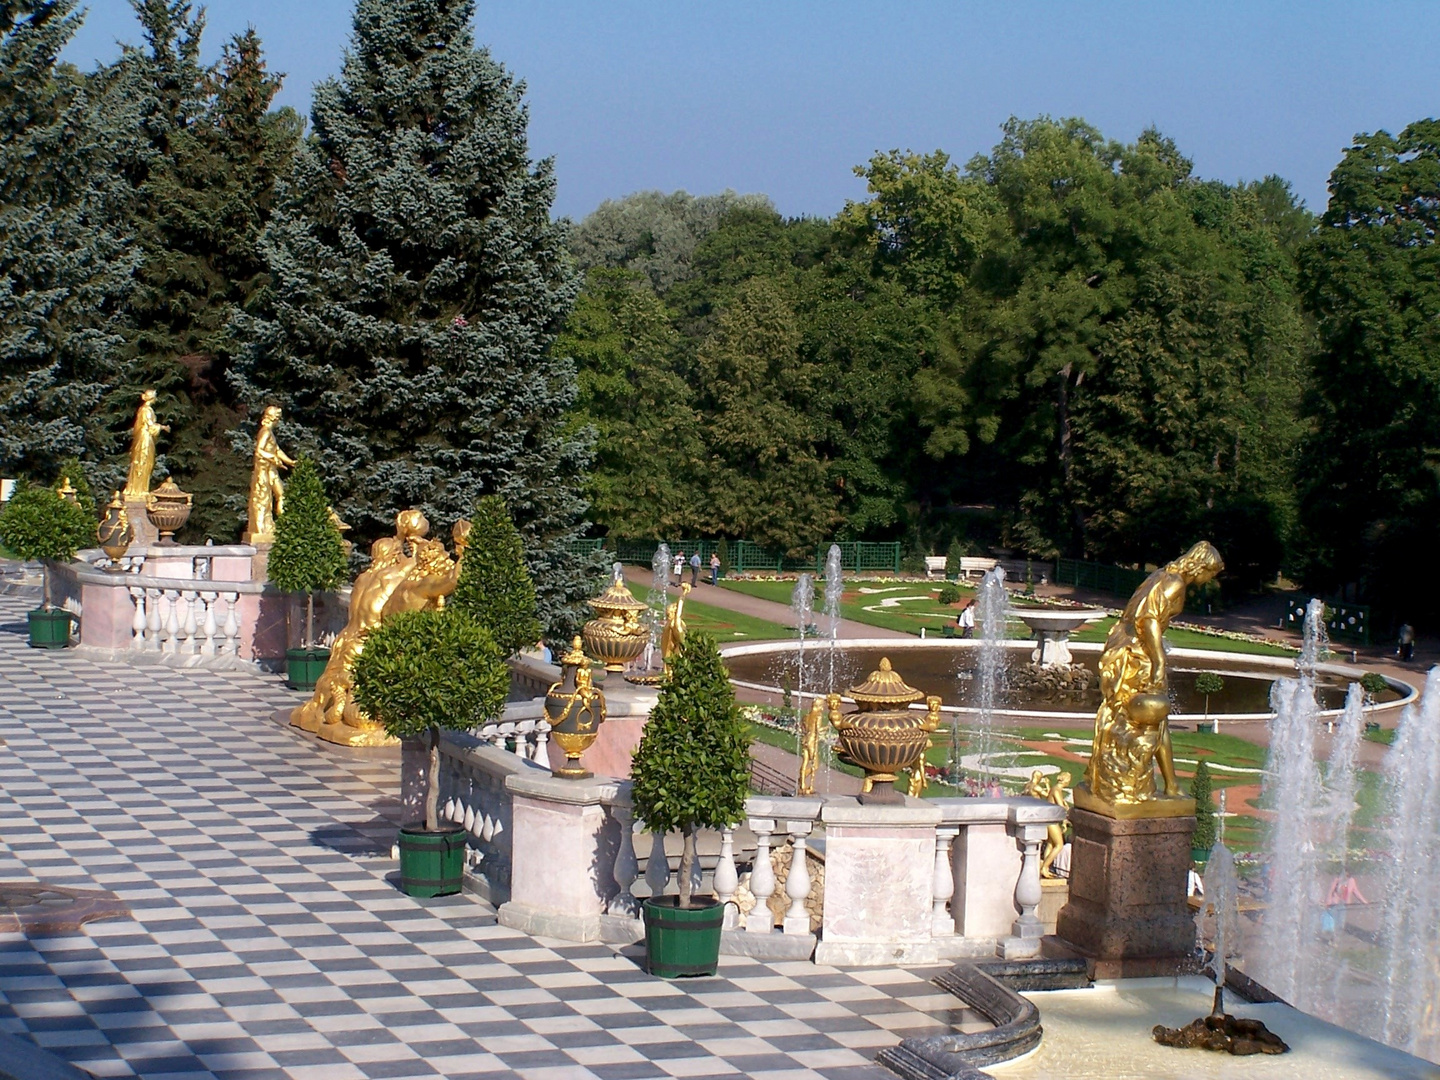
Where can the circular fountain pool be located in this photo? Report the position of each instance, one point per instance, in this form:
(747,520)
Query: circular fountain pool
(948,669)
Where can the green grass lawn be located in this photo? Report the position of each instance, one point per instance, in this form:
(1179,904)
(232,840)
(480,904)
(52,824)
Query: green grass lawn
(912,605)
(725,626)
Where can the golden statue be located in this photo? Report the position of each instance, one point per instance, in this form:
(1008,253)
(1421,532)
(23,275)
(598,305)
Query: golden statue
(407,573)
(142,449)
(673,635)
(810,747)
(267,494)
(574,709)
(1132,735)
(918,780)
(1041,787)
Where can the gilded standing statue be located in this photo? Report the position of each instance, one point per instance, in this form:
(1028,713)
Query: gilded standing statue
(267,493)
(142,449)
(1132,734)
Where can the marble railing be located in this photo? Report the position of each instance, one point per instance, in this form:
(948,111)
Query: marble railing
(522,730)
(189,618)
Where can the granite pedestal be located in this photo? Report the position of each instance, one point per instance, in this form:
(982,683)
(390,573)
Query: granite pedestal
(1127,911)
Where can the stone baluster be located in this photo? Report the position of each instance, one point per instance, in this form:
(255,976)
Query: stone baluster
(943,922)
(627,867)
(188,627)
(727,880)
(152,619)
(1027,930)
(231,643)
(138,619)
(171,631)
(542,739)
(657,867)
(797,882)
(762,878)
(207,627)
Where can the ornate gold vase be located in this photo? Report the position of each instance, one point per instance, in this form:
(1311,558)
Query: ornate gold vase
(575,709)
(615,637)
(885,735)
(115,533)
(168,508)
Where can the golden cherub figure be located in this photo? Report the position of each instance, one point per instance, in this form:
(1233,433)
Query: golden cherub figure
(267,493)
(810,747)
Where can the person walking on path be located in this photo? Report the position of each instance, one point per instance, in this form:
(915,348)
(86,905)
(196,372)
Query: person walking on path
(1407,642)
(695,570)
(678,568)
(966,620)
(714,568)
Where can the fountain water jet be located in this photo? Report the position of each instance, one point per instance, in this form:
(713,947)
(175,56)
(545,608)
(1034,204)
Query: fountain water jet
(834,587)
(992,605)
(802,604)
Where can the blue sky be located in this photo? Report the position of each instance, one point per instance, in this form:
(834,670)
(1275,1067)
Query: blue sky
(786,97)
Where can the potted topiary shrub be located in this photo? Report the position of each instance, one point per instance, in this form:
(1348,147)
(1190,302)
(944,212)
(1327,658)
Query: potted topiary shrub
(423,672)
(308,556)
(38,524)
(1207,683)
(691,771)
(1203,838)
(495,588)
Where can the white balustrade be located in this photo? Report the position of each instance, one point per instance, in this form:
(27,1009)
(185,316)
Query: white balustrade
(627,867)
(657,867)
(727,880)
(943,922)
(184,621)
(797,882)
(762,878)
(526,738)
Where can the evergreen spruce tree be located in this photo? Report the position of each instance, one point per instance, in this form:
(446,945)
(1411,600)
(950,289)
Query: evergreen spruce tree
(64,266)
(418,284)
(202,169)
(1203,838)
(692,767)
(309,553)
(494,587)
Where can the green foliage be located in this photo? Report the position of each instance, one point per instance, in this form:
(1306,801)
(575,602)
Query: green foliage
(309,553)
(953,554)
(71,467)
(423,670)
(1207,683)
(1201,788)
(65,261)
(38,524)
(418,284)
(692,767)
(950,593)
(1372,682)
(722,549)
(495,587)
(1371,275)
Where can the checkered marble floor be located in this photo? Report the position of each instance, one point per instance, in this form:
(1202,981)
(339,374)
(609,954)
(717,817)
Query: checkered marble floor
(268,941)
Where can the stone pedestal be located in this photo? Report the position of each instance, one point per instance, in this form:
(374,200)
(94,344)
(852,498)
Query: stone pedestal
(564,891)
(1127,910)
(879,883)
(145,533)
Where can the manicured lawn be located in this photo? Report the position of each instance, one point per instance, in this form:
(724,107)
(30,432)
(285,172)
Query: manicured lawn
(725,626)
(907,606)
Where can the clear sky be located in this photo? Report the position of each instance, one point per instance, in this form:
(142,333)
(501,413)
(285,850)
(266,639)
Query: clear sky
(786,97)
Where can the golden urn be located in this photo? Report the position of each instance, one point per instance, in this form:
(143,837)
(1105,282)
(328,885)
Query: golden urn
(114,532)
(168,509)
(885,735)
(615,637)
(574,709)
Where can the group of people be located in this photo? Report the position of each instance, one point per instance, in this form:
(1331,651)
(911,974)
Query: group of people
(680,562)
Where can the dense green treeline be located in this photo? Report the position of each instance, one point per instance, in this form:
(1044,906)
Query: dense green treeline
(1068,345)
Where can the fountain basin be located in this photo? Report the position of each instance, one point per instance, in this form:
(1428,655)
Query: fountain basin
(939,667)
(1051,629)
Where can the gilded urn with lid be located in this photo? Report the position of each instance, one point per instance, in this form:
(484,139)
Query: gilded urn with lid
(615,636)
(885,735)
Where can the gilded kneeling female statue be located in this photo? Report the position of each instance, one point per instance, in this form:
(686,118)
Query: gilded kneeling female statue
(1132,735)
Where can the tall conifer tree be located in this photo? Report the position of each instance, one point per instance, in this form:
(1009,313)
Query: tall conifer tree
(418,284)
(64,266)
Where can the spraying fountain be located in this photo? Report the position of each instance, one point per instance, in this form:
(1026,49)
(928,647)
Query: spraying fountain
(834,588)
(802,604)
(992,605)
(652,668)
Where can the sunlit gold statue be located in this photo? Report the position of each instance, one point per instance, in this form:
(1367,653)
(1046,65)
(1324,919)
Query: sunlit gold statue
(1132,735)
(673,636)
(1041,786)
(267,493)
(407,572)
(142,449)
(918,780)
(810,747)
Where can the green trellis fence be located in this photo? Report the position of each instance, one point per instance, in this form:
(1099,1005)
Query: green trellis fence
(856,556)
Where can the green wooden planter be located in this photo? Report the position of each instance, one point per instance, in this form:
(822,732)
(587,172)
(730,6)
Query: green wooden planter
(50,629)
(303,667)
(432,863)
(1200,856)
(682,941)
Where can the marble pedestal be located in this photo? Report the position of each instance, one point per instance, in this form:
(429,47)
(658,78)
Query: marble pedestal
(143,530)
(879,883)
(1127,910)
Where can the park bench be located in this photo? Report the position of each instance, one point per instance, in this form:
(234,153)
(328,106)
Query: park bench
(974,564)
(934,564)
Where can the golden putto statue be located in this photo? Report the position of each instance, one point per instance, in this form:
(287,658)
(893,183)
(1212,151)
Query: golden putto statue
(1132,734)
(673,635)
(267,493)
(142,449)
(407,572)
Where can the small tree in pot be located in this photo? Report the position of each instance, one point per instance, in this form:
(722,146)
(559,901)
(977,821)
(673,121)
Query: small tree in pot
(38,524)
(423,672)
(1203,838)
(495,587)
(308,556)
(691,771)
(1207,683)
